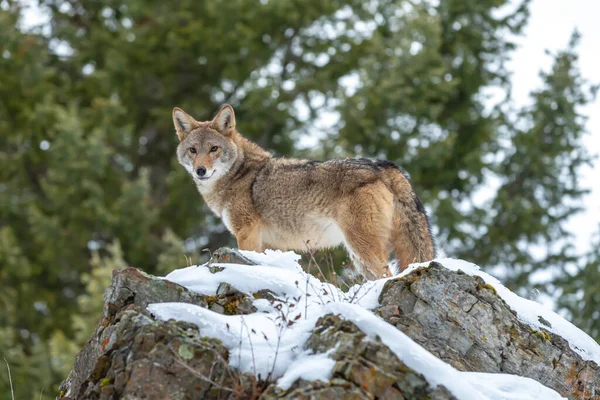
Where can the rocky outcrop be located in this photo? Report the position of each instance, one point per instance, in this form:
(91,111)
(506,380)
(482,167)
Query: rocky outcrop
(463,321)
(455,316)
(161,360)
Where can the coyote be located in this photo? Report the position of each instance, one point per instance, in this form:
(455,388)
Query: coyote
(367,205)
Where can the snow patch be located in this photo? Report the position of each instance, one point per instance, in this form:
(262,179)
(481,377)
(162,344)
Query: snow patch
(258,343)
(287,280)
(310,367)
(506,387)
(274,258)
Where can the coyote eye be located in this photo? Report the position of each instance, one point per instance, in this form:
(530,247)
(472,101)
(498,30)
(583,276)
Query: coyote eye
(213,149)
(192,150)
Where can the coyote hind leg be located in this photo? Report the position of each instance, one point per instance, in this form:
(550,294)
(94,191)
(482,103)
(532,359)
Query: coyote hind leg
(369,266)
(367,228)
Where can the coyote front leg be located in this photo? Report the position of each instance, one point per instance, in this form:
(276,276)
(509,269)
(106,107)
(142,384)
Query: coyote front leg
(248,238)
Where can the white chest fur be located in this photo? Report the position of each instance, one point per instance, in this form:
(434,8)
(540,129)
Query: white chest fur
(226,219)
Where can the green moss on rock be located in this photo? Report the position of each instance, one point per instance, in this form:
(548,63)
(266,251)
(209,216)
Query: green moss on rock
(542,334)
(105,382)
(488,287)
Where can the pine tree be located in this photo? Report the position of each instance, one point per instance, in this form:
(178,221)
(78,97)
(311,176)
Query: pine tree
(26,85)
(523,227)
(578,292)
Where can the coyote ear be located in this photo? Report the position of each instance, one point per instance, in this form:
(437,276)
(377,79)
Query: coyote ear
(183,122)
(225,120)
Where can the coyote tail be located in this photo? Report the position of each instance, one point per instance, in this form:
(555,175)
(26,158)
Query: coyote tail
(412,239)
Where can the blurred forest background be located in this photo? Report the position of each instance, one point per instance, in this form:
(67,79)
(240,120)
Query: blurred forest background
(89,179)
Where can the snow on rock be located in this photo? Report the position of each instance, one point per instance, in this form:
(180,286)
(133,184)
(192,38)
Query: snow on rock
(270,342)
(274,258)
(260,343)
(506,387)
(463,385)
(310,367)
(287,281)
(530,312)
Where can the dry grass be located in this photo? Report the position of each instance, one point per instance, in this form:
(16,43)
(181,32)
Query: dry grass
(12,391)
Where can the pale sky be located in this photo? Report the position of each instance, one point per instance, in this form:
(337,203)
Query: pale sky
(550,27)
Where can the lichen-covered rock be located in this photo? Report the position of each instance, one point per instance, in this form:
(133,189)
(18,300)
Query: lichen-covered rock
(131,356)
(161,360)
(129,288)
(230,301)
(230,256)
(365,369)
(462,321)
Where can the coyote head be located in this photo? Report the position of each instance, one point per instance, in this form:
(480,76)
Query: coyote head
(206,149)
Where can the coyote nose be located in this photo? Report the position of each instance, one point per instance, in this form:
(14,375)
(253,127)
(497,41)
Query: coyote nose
(200,171)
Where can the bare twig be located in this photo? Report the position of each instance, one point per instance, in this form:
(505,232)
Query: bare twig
(200,375)
(251,347)
(356,291)
(306,298)
(318,292)
(285,321)
(219,358)
(281,327)
(210,254)
(240,347)
(312,260)
(339,279)
(365,293)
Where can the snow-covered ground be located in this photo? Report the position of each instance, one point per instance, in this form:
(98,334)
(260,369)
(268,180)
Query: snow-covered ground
(271,341)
